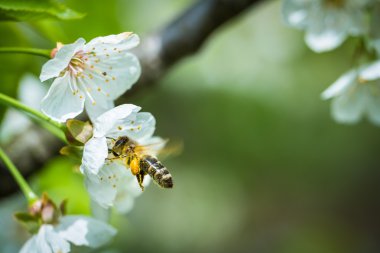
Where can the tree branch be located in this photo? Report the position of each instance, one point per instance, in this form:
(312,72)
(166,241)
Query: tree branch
(157,53)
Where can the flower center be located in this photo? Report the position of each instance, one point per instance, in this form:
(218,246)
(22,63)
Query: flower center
(361,80)
(76,65)
(334,3)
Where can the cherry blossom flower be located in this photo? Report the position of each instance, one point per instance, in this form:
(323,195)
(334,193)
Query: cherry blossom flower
(54,231)
(327,22)
(78,230)
(89,75)
(356,94)
(111,183)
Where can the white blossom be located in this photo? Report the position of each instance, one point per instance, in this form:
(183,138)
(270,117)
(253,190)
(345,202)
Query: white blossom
(327,22)
(89,76)
(15,122)
(111,183)
(374,34)
(356,94)
(78,230)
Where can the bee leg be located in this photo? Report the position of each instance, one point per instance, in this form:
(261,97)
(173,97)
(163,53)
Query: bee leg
(140,179)
(111,159)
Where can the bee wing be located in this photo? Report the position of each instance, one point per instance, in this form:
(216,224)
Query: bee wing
(157,146)
(152,146)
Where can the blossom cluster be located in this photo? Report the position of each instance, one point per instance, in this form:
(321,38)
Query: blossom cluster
(327,24)
(90,76)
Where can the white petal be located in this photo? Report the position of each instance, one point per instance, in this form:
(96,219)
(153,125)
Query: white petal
(340,85)
(100,192)
(99,212)
(81,230)
(110,119)
(102,105)
(27,83)
(113,73)
(127,192)
(350,106)
(296,13)
(49,241)
(60,103)
(138,129)
(94,154)
(103,186)
(374,103)
(114,186)
(327,30)
(122,41)
(55,66)
(370,72)
(31,246)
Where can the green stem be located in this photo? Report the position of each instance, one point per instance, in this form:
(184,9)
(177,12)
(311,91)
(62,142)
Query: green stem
(29,194)
(26,50)
(57,129)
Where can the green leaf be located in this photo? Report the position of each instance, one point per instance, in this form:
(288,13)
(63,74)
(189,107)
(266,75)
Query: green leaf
(26,10)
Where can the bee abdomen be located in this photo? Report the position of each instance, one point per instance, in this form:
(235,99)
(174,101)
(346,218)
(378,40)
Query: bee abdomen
(157,171)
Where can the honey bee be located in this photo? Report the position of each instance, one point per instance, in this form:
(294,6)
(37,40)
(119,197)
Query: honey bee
(140,163)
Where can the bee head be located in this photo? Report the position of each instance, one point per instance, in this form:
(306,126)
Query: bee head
(120,143)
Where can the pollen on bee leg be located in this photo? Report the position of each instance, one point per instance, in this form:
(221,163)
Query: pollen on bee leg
(120,128)
(99,89)
(135,168)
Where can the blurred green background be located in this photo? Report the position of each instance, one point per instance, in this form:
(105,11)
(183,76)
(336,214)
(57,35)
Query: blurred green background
(264,167)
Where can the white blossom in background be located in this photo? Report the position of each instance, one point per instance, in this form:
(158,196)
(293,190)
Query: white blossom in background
(374,34)
(356,94)
(78,230)
(89,76)
(15,122)
(327,23)
(112,183)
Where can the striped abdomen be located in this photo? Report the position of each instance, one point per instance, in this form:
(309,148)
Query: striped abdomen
(156,170)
